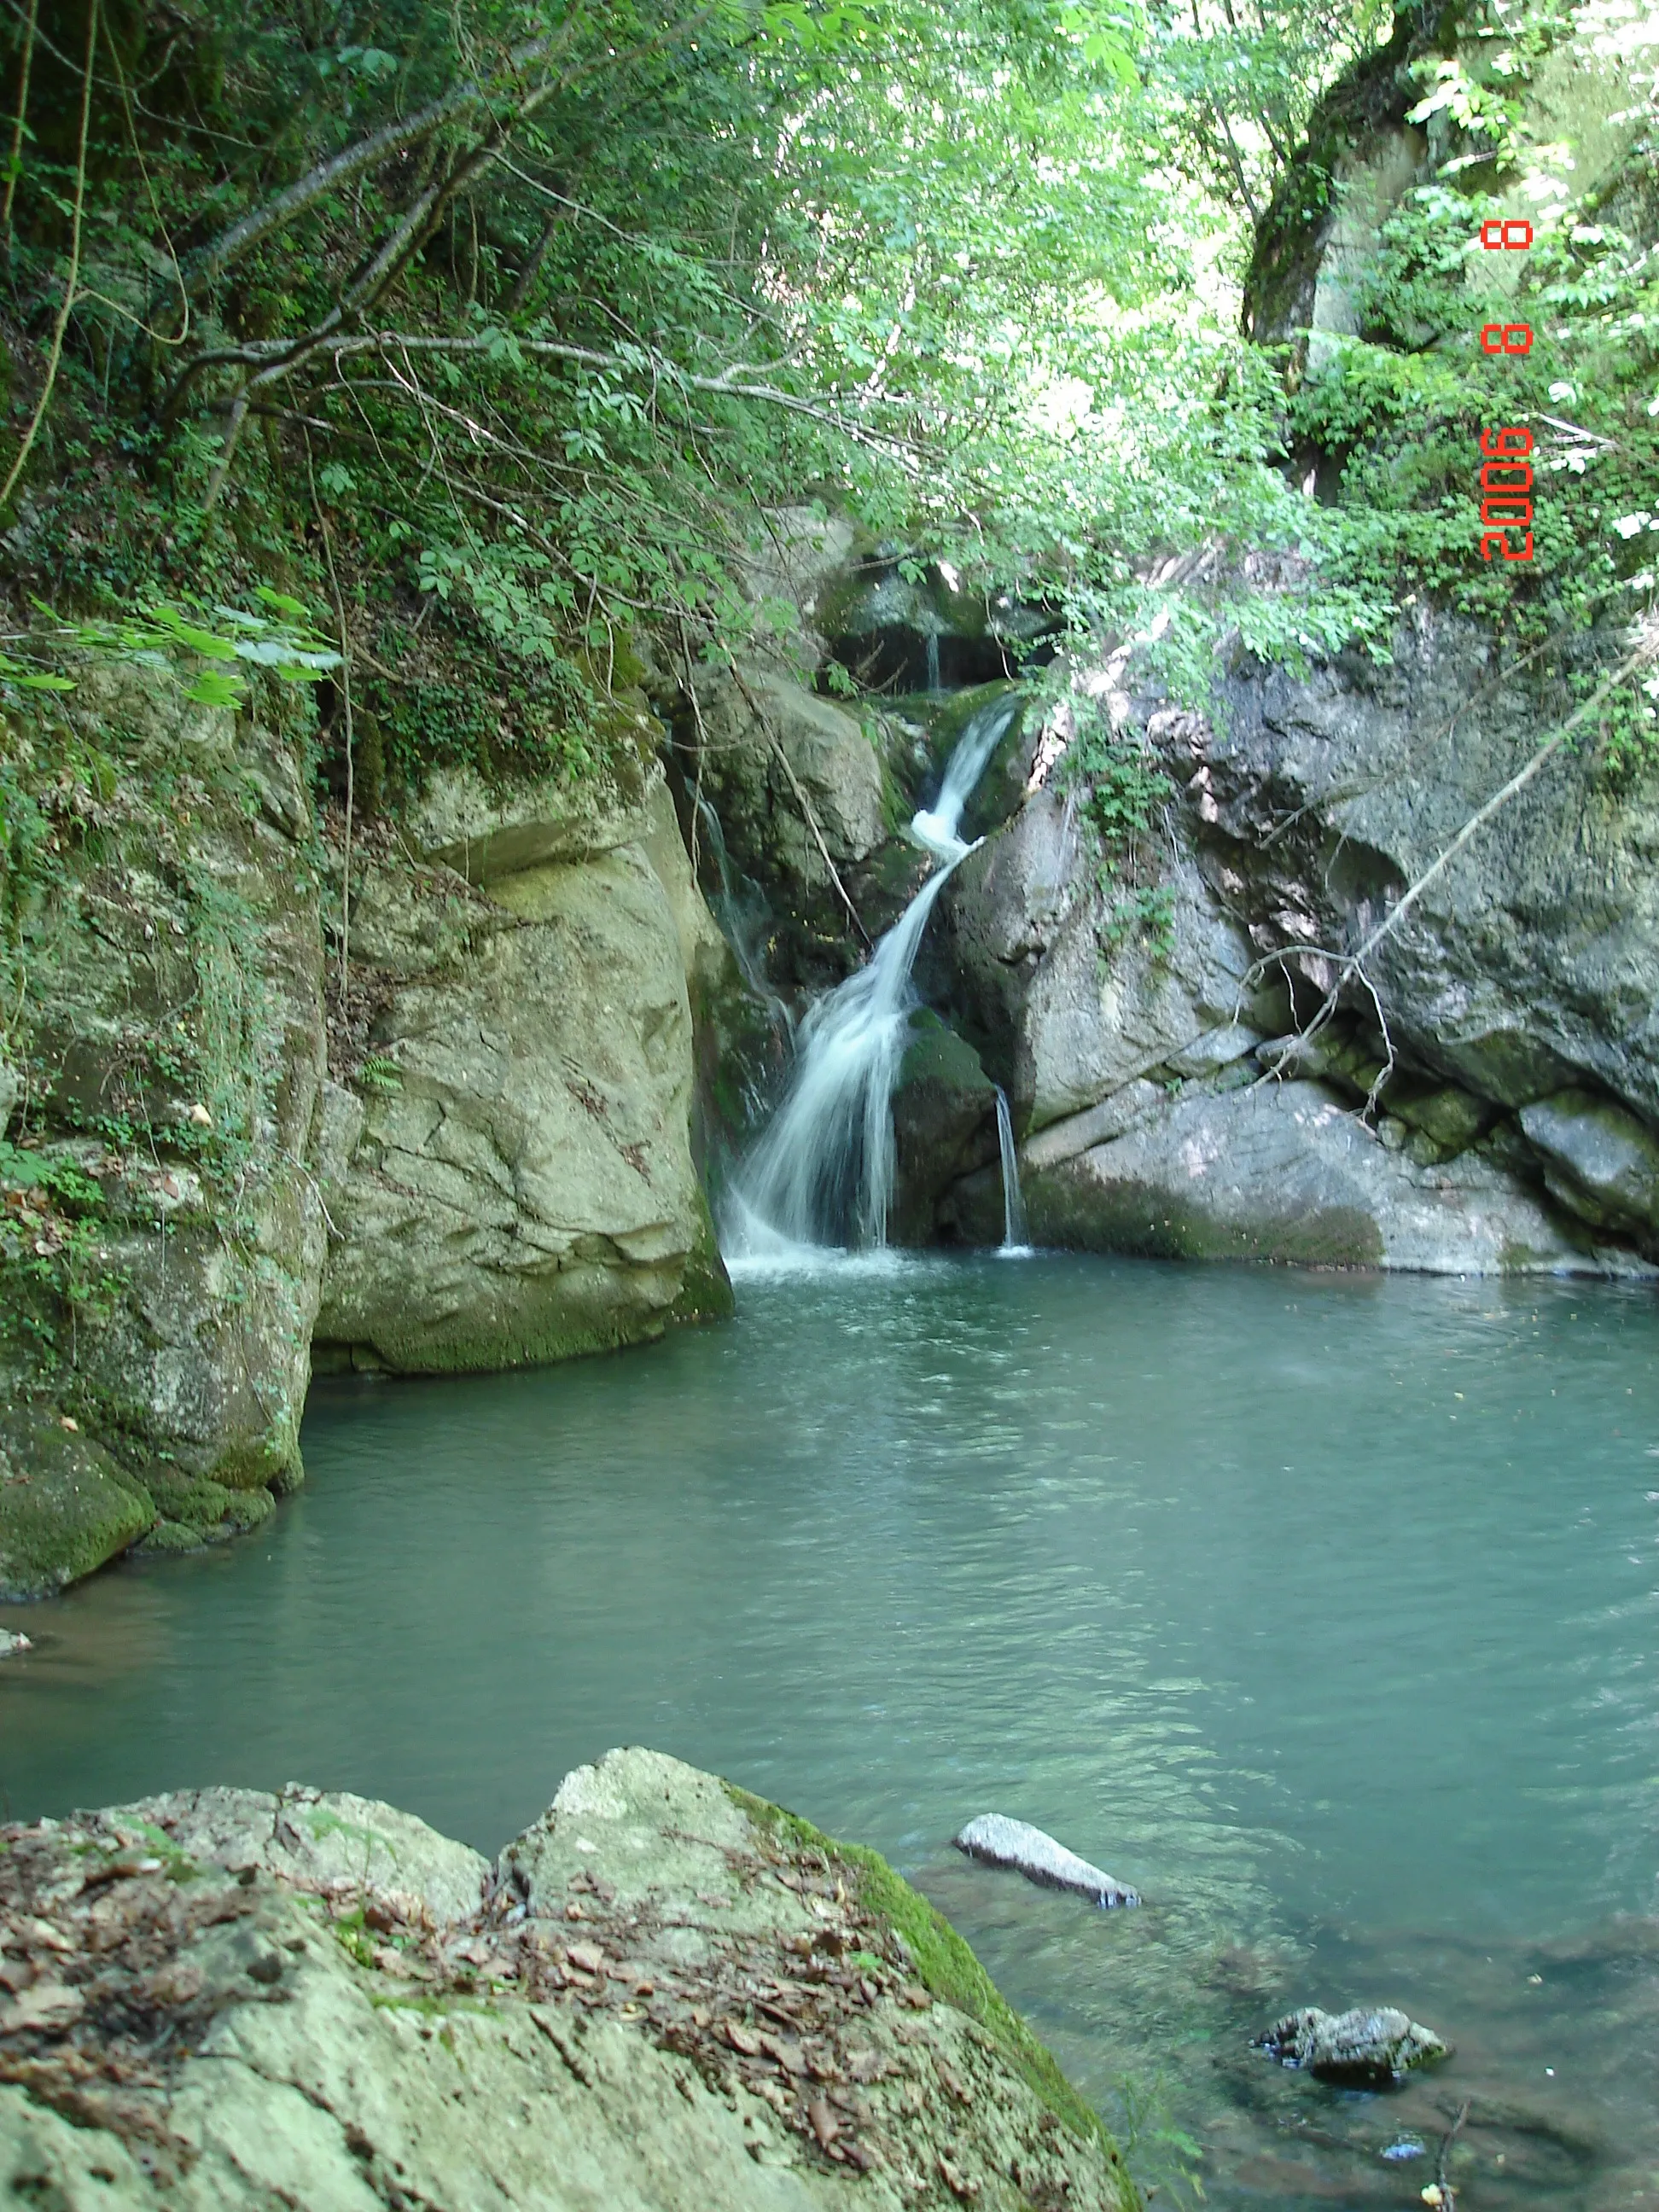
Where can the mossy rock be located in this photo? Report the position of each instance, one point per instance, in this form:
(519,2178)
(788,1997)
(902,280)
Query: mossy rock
(209,1511)
(65,1506)
(944,1963)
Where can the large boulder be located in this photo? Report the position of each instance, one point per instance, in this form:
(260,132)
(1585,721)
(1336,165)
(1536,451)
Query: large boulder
(665,1996)
(161,1253)
(1510,1113)
(1598,1160)
(796,782)
(521,1186)
(943,1126)
(1072,1020)
(1279,1171)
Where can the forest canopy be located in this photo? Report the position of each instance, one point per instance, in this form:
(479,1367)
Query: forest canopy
(486,332)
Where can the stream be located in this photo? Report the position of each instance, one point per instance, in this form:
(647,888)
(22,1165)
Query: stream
(1322,1608)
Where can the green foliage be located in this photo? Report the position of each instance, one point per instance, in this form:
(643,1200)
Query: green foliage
(379,1073)
(929,261)
(1117,793)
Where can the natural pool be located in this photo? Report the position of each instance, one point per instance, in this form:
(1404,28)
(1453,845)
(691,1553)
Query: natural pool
(1320,1608)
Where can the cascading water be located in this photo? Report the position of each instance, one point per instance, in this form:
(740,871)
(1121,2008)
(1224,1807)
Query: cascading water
(821,1173)
(1015,1234)
(936,827)
(934,687)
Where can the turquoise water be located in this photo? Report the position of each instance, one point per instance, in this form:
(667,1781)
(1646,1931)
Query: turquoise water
(1322,1608)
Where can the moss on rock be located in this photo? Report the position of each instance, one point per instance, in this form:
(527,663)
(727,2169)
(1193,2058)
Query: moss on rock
(944,1962)
(65,1506)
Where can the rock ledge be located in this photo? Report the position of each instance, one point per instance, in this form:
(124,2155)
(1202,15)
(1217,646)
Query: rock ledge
(664,1996)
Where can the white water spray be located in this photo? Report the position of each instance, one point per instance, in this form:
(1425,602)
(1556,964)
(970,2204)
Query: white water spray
(936,827)
(821,1173)
(1016,1237)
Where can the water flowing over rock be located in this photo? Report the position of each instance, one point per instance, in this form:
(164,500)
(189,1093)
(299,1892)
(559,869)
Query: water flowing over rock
(1356,2050)
(1015,1233)
(995,1840)
(1514,1130)
(822,1172)
(936,827)
(665,1996)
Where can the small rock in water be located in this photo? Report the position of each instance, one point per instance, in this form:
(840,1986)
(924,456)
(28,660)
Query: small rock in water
(1359,2049)
(13,1640)
(994,1840)
(1407,2146)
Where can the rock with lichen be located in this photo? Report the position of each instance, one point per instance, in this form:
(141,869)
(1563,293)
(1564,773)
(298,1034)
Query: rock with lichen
(664,1996)
(1359,2049)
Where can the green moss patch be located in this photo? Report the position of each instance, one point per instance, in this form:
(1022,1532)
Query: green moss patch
(944,1963)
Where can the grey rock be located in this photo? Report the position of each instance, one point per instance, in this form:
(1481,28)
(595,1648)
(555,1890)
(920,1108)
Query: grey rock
(483,833)
(771,745)
(943,1126)
(1358,2049)
(12,1641)
(191,1376)
(1019,926)
(995,1840)
(1598,1159)
(524,1188)
(357,2011)
(1290,1172)
(1517,1126)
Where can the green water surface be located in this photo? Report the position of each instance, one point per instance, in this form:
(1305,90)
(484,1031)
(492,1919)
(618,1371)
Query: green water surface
(1322,1608)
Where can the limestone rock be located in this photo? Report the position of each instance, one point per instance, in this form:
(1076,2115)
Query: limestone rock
(14,1642)
(65,1506)
(771,746)
(523,1188)
(1070,1025)
(485,833)
(175,1007)
(1289,1172)
(1358,2049)
(340,2009)
(995,1840)
(1599,1159)
(1517,1123)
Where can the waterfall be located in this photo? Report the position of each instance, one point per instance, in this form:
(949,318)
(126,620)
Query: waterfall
(822,1172)
(934,687)
(936,827)
(1015,1234)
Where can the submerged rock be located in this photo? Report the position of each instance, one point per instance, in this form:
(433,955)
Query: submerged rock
(995,1840)
(1358,2048)
(665,1996)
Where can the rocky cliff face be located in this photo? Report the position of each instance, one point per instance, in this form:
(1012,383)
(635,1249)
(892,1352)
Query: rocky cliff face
(516,1181)
(499,1169)
(1168,1103)
(664,1996)
(163,1237)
